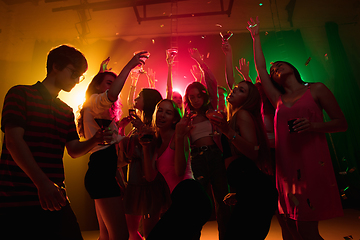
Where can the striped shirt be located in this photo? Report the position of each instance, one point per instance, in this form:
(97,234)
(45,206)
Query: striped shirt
(49,124)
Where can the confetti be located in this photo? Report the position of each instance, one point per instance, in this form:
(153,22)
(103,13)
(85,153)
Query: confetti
(218,25)
(162,25)
(153,41)
(203,36)
(307,62)
(208,55)
(266,33)
(352,170)
(321,163)
(326,57)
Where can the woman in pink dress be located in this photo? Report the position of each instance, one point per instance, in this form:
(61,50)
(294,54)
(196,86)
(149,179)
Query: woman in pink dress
(305,177)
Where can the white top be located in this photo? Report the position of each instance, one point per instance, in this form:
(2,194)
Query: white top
(97,106)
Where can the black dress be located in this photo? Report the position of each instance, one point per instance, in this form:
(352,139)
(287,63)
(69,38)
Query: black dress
(256,197)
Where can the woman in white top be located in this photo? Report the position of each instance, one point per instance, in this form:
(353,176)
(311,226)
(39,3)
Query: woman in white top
(101,109)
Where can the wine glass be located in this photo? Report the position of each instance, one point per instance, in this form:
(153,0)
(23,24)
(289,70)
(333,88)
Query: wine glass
(214,114)
(226,35)
(147,55)
(171,54)
(103,123)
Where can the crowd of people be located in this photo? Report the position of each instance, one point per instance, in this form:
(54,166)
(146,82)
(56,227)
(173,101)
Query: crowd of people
(256,146)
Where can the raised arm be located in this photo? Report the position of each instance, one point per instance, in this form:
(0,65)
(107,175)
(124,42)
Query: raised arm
(119,82)
(271,92)
(169,85)
(134,76)
(210,79)
(229,71)
(150,74)
(104,65)
(244,69)
(197,73)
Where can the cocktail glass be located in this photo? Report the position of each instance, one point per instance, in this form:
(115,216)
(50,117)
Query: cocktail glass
(171,54)
(214,115)
(226,35)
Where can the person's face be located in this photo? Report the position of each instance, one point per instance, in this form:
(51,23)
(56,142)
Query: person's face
(195,98)
(278,70)
(165,115)
(106,83)
(239,94)
(67,78)
(139,102)
(177,99)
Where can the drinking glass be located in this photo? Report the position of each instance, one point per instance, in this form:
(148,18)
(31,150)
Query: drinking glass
(213,114)
(226,35)
(103,123)
(171,54)
(147,54)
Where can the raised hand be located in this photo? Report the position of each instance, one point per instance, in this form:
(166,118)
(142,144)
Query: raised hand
(138,59)
(244,69)
(194,53)
(253,27)
(197,73)
(104,64)
(150,74)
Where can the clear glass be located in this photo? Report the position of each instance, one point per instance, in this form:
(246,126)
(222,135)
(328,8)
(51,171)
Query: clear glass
(226,35)
(214,115)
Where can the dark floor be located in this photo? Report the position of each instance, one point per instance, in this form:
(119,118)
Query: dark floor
(333,229)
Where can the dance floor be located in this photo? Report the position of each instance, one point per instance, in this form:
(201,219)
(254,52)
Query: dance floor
(333,229)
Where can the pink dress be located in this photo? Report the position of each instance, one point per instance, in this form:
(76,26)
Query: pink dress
(305,177)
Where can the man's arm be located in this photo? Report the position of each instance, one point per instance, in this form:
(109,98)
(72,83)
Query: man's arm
(49,193)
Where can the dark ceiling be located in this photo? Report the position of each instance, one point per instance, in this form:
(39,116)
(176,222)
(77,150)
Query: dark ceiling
(94,19)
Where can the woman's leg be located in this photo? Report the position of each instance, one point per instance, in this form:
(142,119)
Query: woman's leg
(309,230)
(133,222)
(113,214)
(149,223)
(104,235)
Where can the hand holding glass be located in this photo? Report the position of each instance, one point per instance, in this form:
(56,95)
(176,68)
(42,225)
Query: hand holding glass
(214,115)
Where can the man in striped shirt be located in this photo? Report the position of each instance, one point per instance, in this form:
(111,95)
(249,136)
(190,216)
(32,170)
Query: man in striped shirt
(38,126)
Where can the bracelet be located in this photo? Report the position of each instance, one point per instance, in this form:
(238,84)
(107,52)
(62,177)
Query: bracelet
(233,138)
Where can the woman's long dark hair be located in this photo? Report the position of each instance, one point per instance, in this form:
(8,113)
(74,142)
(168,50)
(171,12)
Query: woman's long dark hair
(296,73)
(151,98)
(253,106)
(115,110)
(204,94)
